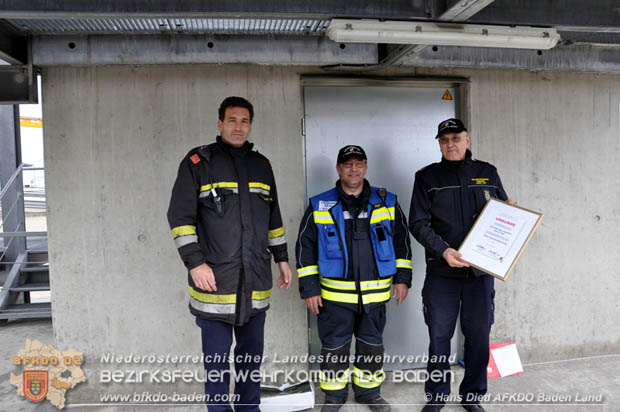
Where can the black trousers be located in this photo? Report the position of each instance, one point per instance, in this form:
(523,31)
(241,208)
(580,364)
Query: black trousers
(443,299)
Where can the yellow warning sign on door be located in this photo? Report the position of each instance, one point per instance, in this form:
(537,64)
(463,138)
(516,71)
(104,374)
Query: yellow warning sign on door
(447,95)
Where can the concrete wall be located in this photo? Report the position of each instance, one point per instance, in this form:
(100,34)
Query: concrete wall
(556,141)
(114,137)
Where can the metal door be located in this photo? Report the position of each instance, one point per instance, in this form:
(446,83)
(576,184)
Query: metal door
(396,126)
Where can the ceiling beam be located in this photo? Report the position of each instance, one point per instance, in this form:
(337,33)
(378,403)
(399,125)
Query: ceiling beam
(462,10)
(592,15)
(195,49)
(457,11)
(13,44)
(39,9)
(564,58)
(18,85)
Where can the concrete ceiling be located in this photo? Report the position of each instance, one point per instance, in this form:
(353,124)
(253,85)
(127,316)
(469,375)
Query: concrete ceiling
(74,32)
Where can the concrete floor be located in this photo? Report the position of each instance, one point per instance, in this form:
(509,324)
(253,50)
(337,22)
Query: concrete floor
(596,377)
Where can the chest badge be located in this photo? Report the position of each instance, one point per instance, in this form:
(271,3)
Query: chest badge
(487,195)
(325,205)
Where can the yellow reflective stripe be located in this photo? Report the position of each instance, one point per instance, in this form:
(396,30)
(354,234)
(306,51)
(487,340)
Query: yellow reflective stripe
(366,384)
(338,284)
(307,271)
(383,213)
(378,217)
(219,184)
(261,294)
(333,386)
(259,185)
(340,297)
(376,297)
(404,263)
(212,298)
(366,374)
(365,380)
(375,284)
(183,231)
(324,220)
(322,217)
(340,381)
(276,232)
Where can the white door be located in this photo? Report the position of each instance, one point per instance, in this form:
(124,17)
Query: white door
(396,126)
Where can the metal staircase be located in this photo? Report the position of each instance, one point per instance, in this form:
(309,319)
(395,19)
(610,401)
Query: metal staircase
(28,274)
(26,270)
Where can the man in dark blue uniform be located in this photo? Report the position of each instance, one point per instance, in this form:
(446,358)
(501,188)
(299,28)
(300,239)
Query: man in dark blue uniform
(447,198)
(353,244)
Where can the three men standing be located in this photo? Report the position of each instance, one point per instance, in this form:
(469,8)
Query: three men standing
(225,219)
(353,244)
(447,198)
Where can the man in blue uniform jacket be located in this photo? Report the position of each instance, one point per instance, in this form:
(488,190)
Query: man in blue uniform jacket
(353,244)
(447,198)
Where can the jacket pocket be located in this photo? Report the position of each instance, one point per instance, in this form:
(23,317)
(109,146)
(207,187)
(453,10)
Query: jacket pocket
(332,242)
(385,245)
(224,199)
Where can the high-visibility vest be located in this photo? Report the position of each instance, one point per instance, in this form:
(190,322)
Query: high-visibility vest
(332,246)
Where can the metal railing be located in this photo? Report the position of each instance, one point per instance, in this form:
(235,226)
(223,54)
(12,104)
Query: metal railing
(20,230)
(24,276)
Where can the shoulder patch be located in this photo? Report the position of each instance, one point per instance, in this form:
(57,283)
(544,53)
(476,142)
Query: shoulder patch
(195,158)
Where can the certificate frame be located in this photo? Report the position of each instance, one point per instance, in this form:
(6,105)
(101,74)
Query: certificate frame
(498,237)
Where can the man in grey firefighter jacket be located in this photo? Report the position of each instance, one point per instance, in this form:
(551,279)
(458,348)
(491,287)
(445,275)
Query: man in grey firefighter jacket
(353,243)
(225,220)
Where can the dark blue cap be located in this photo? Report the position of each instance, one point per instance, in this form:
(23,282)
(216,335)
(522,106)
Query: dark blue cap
(350,151)
(450,126)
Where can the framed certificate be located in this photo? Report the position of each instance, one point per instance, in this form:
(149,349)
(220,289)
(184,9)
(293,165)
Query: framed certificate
(499,237)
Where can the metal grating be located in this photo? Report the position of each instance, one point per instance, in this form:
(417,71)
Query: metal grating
(190,25)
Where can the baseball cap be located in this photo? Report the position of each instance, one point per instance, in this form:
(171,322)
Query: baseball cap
(350,151)
(450,126)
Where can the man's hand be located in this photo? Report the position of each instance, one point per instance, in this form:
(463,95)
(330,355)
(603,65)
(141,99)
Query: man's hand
(203,277)
(284,281)
(313,303)
(511,202)
(401,290)
(454,258)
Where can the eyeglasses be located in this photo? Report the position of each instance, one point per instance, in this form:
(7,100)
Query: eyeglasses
(446,140)
(349,165)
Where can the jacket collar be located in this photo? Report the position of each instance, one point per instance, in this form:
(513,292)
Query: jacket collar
(458,163)
(247,146)
(348,200)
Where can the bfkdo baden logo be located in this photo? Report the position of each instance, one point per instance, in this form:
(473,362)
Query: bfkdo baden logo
(35,385)
(47,373)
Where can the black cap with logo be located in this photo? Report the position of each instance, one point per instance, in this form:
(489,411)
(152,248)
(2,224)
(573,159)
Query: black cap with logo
(350,151)
(450,126)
